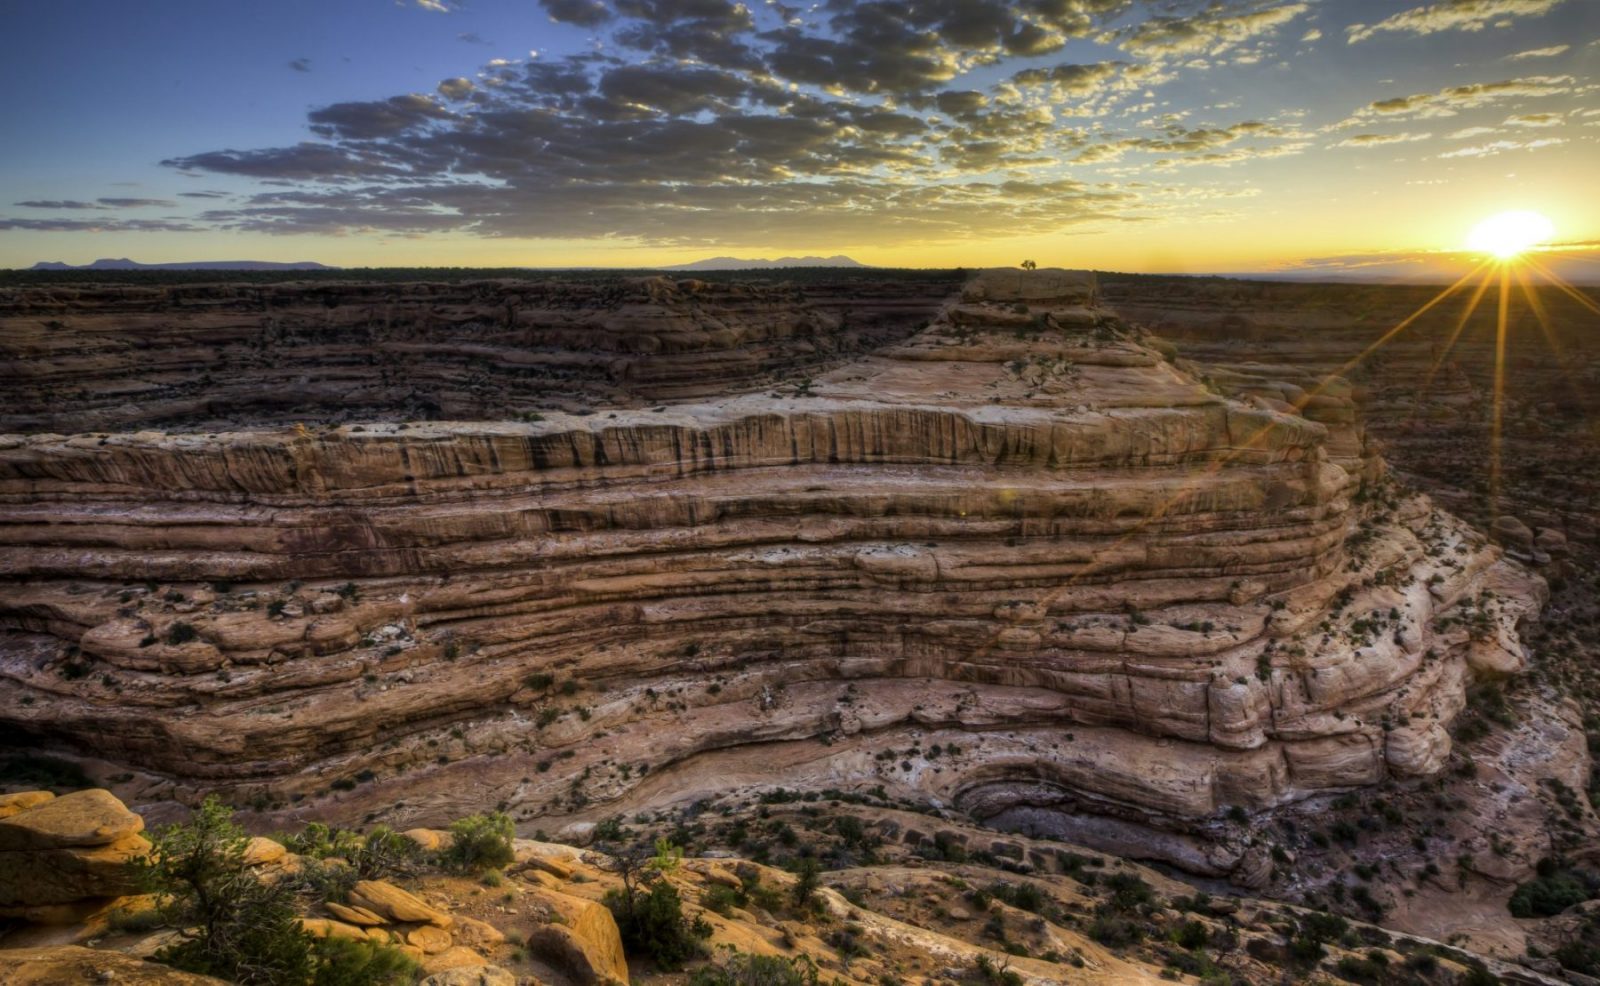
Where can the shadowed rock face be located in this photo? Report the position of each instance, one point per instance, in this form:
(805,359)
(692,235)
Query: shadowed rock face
(214,356)
(1423,368)
(1020,562)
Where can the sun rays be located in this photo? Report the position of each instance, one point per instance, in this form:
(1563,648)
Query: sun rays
(1506,245)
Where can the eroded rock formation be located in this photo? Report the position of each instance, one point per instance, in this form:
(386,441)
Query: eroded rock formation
(211,356)
(1020,563)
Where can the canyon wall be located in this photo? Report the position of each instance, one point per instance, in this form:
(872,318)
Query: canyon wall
(213,356)
(1022,563)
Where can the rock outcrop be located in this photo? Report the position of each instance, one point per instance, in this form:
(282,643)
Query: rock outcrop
(1021,563)
(65,850)
(214,356)
(62,964)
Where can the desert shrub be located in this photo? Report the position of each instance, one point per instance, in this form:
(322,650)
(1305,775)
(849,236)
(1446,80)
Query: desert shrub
(480,842)
(237,927)
(1128,891)
(721,900)
(1304,950)
(380,854)
(343,962)
(1551,893)
(805,886)
(1191,935)
(996,975)
(653,925)
(1359,970)
(1321,927)
(740,969)
(1115,932)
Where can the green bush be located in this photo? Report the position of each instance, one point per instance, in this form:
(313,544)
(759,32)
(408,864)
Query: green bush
(235,926)
(480,842)
(740,969)
(653,925)
(805,887)
(721,900)
(342,962)
(1546,896)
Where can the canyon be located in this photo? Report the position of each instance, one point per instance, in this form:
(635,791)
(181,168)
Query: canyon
(1016,524)
(1152,566)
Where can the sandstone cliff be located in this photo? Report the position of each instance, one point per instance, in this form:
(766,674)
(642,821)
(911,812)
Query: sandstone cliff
(1020,563)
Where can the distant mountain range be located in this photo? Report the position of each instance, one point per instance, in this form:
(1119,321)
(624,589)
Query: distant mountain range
(123,263)
(735,263)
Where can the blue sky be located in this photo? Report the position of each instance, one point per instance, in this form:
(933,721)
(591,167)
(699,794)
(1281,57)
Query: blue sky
(1204,135)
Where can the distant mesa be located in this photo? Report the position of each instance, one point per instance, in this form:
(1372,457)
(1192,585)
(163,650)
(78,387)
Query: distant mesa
(123,263)
(735,263)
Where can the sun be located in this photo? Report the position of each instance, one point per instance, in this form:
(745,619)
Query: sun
(1507,234)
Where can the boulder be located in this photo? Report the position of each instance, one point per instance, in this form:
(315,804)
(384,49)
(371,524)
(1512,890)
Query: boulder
(1512,533)
(62,876)
(451,959)
(390,901)
(323,928)
(353,915)
(10,804)
(82,818)
(585,943)
(432,840)
(477,934)
(261,852)
(430,939)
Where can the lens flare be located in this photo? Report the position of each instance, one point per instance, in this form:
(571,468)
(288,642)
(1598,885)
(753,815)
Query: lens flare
(1508,234)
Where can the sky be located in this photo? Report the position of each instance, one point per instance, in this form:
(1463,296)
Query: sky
(1146,135)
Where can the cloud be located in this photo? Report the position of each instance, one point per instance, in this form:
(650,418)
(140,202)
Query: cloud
(119,203)
(1535,120)
(1379,140)
(1212,33)
(1452,100)
(301,64)
(584,13)
(714,122)
(98,226)
(1549,52)
(1501,146)
(438,6)
(58,204)
(1452,15)
(472,38)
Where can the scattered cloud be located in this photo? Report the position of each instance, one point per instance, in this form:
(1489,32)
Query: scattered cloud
(1549,52)
(1454,99)
(1379,140)
(1501,146)
(121,203)
(1452,15)
(58,204)
(1214,32)
(99,225)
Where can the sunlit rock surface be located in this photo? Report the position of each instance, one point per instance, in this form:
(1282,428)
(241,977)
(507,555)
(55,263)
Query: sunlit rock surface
(1021,563)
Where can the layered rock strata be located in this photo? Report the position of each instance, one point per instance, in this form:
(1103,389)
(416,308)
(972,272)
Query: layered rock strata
(211,356)
(1021,563)
(58,852)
